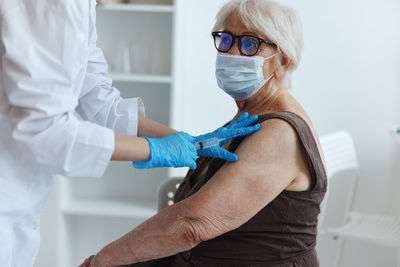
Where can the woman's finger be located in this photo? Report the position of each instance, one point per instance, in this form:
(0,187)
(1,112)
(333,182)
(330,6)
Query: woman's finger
(238,120)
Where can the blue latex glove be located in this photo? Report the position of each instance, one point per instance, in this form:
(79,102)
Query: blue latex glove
(175,150)
(240,127)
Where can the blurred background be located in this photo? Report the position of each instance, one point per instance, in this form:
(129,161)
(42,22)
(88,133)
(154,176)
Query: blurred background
(162,51)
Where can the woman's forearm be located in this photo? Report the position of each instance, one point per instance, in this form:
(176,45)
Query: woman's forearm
(152,129)
(165,234)
(129,148)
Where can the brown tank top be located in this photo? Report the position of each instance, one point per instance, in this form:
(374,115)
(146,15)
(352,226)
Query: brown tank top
(282,234)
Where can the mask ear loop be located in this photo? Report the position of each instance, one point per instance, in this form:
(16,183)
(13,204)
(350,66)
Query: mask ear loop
(274,73)
(277,53)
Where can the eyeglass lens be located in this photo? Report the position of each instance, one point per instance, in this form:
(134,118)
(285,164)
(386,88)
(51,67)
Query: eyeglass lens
(224,42)
(248,45)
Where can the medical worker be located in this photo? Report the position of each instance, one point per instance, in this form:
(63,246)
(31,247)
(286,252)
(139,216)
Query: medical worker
(50,68)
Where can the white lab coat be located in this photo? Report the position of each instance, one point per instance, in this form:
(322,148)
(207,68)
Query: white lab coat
(50,67)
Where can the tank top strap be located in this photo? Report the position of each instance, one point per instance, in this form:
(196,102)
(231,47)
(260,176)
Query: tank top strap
(303,130)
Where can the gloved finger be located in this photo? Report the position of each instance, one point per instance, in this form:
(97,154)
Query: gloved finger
(226,155)
(243,131)
(193,165)
(141,165)
(191,160)
(188,153)
(189,137)
(240,132)
(241,118)
(225,141)
(193,150)
(189,145)
(246,122)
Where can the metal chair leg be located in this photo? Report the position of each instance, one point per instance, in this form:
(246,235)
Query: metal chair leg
(339,252)
(398,257)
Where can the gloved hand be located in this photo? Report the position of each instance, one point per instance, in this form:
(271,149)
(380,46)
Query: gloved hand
(175,150)
(240,127)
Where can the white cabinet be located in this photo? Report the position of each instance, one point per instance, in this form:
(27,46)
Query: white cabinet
(163,52)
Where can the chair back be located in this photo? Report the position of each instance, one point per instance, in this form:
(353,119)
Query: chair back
(166,192)
(340,156)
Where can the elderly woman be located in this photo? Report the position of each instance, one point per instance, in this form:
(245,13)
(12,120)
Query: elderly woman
(261,210)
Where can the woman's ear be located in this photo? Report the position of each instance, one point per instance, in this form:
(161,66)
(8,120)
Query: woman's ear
(283,65)
(286,62)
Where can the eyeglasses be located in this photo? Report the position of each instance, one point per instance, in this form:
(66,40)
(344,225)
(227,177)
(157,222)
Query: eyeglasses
(248,44)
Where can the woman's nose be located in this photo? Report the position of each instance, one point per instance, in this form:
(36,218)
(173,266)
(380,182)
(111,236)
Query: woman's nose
(234,49)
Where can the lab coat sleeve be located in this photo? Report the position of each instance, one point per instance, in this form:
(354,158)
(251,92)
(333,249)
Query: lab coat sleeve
(99,101)
(43,49)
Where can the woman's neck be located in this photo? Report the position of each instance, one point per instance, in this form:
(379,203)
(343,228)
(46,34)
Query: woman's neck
(263,101)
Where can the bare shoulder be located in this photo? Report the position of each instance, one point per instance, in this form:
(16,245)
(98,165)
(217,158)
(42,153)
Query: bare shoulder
(278,129)
(276,135)
(272,152)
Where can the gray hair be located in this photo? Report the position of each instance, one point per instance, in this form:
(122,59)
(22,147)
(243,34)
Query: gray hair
(279,23)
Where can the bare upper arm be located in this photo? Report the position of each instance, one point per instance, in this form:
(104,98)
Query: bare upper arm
(267,164)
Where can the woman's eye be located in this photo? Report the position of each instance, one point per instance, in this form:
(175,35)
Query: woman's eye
(250,43)
(225,42)
(249,46)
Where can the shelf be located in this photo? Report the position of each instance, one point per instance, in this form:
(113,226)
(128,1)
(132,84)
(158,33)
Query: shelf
(144,78)
(110,208)
(137,8)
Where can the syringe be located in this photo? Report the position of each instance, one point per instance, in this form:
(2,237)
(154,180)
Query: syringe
(213,141)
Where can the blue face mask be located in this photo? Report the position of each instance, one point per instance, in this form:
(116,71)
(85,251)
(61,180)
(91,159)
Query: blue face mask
(240,76)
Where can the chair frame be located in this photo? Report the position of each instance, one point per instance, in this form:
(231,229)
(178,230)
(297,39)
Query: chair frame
(166,192)
(338,163)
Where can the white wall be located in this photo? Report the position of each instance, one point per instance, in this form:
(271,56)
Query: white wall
(349,79)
